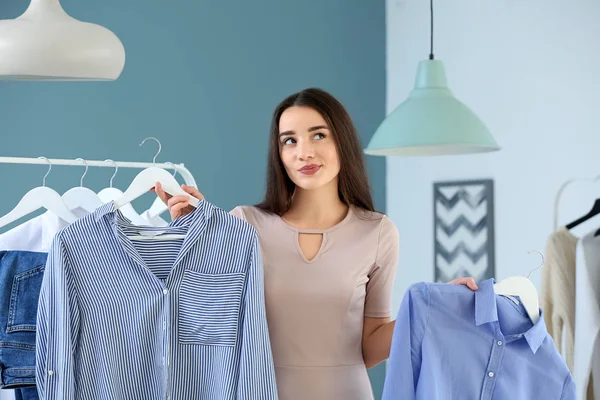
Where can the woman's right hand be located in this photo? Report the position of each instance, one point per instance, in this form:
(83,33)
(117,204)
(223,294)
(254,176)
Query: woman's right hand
(178,205)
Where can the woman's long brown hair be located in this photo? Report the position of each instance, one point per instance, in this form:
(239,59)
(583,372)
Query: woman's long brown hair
(353,182)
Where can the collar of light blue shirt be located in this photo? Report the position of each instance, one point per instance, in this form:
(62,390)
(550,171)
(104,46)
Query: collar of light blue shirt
(486,311)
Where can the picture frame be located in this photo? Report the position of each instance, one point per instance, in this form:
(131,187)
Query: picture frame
(464,237)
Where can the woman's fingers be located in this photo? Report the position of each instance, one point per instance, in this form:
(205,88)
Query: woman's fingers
(192,191)
(468,281)
(180,198)
(164,196)
(179,203)
(178,208)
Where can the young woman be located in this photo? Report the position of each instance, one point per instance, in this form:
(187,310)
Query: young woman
(329,257)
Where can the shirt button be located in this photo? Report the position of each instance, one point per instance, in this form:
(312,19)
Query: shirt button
(499,342)
(50,372)
(165,291)
(491,374)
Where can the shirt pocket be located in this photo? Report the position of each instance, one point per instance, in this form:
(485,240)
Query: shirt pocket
(24,296)
(209,308)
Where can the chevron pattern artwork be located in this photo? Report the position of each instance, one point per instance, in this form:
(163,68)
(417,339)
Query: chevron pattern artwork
(464,229)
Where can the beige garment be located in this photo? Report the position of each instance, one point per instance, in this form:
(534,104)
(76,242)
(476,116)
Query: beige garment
(315,309)
(558,291)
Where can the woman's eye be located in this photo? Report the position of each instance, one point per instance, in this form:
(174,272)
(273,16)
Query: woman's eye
(288,141)
(320,136)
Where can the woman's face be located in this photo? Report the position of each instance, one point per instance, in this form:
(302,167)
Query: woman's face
(307,148)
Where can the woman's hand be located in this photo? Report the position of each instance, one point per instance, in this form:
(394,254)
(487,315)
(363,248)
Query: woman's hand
(469,282)
(178,205)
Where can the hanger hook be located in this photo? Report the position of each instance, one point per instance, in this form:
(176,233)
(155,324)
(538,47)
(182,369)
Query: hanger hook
(159,147)
(174,168)
(541,265)
(116,170)
(85,173)
(49,169)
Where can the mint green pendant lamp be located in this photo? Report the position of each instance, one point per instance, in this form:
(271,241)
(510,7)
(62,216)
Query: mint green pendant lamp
(431,121)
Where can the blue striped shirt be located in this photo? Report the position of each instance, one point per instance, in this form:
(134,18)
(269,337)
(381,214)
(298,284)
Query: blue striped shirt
(175,319)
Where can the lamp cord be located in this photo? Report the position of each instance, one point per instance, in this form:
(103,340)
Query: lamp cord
(431,29)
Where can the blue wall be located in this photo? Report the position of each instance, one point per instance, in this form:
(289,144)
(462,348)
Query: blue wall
(203,77)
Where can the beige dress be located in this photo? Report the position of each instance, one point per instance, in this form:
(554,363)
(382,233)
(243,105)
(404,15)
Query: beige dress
(315,308)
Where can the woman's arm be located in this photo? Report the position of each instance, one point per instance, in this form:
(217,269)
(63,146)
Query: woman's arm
(377,332)
(376,340)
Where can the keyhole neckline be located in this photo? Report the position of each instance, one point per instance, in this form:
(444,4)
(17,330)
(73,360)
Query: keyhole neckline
(299,248)
(348,216)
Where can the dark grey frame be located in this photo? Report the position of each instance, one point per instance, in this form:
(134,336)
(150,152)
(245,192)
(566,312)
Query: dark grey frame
(486,221)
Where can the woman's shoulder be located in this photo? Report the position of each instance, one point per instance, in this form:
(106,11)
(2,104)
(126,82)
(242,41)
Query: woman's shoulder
(252,214)
(367,215)
(375,217)
(385,226)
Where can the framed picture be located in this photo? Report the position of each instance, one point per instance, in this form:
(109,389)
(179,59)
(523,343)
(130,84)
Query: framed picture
(464,229)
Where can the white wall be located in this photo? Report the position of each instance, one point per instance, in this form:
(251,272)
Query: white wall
(531,71)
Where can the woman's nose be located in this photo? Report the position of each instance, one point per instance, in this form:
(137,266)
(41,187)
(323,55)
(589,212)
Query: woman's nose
(306,151)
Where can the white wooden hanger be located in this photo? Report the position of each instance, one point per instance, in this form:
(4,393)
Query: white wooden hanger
(159,206)
(141,184)
(525,289)
(82,197)
(146,180)
(39,197)
(111,193)
(145,235)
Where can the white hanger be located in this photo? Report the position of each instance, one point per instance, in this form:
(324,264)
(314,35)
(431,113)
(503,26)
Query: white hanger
(525,289)
(142,183)
(111,193)
(159,206)
(36,198)
(82,197)
(146,180)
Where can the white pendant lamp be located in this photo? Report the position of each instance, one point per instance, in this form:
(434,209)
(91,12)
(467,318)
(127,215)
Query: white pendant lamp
(431,121)
(45,43)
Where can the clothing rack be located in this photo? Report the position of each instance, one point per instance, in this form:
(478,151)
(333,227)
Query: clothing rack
(179,168)
(562,189)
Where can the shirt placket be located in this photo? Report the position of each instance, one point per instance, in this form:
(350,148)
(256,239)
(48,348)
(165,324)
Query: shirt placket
(166,342)
(493,367)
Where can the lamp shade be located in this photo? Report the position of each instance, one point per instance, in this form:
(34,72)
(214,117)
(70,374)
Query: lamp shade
(431,121)
(45,43)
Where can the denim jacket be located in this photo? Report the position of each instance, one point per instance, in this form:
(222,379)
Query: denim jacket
(23,253)
(21,274)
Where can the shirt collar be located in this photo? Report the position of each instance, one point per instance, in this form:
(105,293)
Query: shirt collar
(537,334)
(204,210)
(103,210)
(486,311)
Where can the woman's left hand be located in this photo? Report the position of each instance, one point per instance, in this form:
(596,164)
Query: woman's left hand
(469,282)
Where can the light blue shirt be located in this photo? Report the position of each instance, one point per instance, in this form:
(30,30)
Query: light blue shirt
(451,343)
(178,319)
